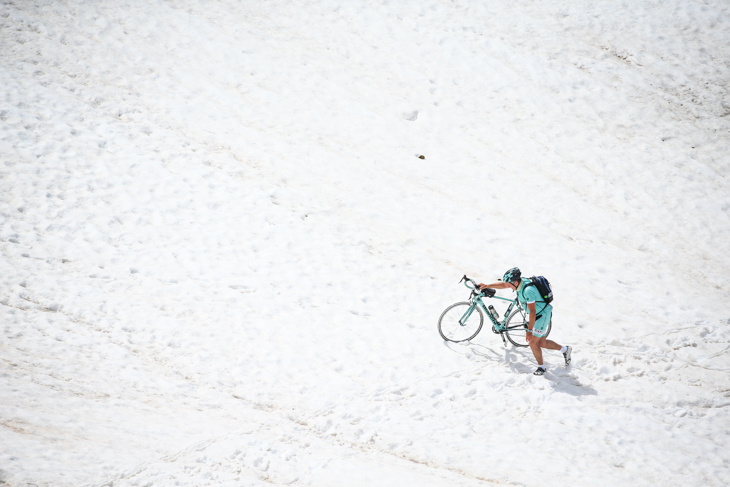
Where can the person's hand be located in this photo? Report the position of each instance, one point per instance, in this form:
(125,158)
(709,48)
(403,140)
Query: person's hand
(528,336)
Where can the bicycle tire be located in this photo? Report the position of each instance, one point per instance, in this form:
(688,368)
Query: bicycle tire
(517,336)
(451,330)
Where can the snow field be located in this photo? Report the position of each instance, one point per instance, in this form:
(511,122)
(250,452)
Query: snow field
(223,260)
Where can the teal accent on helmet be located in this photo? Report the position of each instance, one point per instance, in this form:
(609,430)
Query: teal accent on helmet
(513,274)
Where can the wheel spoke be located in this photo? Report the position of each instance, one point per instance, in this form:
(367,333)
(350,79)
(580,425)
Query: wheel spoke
(516,329)
(455,326)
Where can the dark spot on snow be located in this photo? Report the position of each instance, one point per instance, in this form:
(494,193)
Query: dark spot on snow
(410,116)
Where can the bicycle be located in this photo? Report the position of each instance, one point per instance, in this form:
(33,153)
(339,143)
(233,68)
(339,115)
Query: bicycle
(458,322)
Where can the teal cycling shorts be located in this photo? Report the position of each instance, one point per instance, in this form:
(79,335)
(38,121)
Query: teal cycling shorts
(541,323)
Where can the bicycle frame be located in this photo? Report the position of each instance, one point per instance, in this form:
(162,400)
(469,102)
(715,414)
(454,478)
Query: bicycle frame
(498,327)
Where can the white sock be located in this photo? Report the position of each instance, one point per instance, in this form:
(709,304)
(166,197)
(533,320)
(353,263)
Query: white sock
(564,349)
(543,367)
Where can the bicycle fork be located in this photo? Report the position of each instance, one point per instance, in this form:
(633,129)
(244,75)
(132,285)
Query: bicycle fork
(468,313)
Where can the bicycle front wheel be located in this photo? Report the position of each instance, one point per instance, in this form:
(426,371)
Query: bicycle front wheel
(517,329)
(456,326)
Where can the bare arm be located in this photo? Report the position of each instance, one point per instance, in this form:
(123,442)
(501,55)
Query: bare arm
(496,285)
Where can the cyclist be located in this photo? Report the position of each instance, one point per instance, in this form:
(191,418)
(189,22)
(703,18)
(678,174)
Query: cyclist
(538,321)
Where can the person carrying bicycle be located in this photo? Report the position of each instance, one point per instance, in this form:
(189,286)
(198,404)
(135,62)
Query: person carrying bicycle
(538,320)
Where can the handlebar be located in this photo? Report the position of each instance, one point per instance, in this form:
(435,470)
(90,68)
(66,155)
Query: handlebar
(466,282)
(489,292)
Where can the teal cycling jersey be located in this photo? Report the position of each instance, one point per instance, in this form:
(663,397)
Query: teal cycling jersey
(529,294)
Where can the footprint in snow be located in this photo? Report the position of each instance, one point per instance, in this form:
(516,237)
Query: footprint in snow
(242,289)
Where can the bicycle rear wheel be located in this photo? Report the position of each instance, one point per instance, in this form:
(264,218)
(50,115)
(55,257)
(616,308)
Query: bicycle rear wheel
(516,329)
(454,328)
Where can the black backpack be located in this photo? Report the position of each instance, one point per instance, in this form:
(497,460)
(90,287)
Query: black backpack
(543,287)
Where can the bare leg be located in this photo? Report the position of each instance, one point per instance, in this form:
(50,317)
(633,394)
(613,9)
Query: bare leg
(538,344)
(536,351)
(549,344)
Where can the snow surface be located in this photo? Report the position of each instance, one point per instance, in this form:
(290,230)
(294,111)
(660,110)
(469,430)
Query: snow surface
(223,261)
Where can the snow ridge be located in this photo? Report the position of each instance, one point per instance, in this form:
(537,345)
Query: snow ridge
(223,257)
